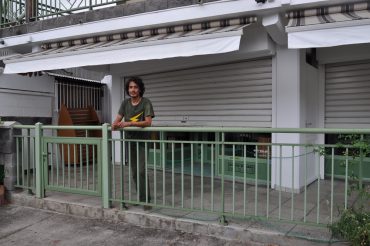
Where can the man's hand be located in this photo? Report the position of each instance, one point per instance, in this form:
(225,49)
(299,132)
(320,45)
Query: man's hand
(124,124)
(116,122)
(115,126)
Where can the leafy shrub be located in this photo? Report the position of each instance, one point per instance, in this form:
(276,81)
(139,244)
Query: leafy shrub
(353,226)
(354,223)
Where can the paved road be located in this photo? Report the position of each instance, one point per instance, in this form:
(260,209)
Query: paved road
(27,226)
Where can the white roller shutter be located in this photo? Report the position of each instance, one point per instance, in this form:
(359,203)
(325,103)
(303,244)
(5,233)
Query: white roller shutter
(347,95)
(235,94)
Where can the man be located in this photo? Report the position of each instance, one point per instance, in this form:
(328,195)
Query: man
(136,111)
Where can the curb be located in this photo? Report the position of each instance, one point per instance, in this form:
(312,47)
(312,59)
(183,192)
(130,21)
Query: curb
(250,236)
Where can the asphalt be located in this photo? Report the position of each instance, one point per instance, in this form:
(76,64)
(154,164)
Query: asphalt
(21,225)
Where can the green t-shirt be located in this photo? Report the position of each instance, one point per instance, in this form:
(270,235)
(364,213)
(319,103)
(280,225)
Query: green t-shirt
(136,113)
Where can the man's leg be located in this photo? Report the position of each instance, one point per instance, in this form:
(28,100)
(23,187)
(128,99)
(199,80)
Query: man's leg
(133,162)
(144,193)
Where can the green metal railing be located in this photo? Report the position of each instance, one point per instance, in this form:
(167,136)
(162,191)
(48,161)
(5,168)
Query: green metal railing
(270,181)
(12,12)
(15,12)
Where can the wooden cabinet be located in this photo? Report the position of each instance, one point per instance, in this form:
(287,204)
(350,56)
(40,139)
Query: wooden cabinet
(78,153)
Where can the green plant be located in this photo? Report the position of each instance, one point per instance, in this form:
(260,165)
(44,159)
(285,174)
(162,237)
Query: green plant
(353,226)
(354,223)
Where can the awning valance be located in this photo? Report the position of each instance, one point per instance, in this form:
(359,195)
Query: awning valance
(159,43)
(329,26)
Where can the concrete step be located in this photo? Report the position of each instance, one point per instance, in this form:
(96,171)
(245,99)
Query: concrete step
(156,218)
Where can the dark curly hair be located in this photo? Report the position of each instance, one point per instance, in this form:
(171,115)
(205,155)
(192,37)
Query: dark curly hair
(139,83)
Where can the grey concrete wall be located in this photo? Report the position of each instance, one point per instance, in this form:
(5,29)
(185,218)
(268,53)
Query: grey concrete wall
(8,153)
(126,9)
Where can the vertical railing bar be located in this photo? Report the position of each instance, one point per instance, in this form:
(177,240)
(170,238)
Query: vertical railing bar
(163,173)
(280,177)
(69,166)
(233,211)
(81,167)
(87,165)
(318,187)
(268,183)
(201,176)
(129,170)
(34,162)
(106,156)
(146,173)
(40,158)
(113,169)
(29,156)
(192,174)
(63,164)
(182,175)
(18,154)
(75,165)
(137,173)
(45,166)
(155,173)
(173,174)
(245,180)
(57,151)
(51,164)
(212,177)
(123,159)
(23,159)
(360,167)
(223,179)
(305,186)
(332,186)
(256,183)
(346,182)
(292,191)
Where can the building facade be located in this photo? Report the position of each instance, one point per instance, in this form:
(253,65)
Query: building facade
(229,63)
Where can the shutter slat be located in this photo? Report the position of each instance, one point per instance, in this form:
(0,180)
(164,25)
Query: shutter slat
(347,101)
(235,94)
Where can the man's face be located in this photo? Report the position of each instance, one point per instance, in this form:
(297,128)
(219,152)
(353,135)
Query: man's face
(133,89)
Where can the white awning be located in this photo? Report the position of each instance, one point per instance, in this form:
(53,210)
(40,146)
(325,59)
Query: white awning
(329,26)
(191,40)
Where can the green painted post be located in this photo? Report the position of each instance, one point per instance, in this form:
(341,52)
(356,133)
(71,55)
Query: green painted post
(360,171)
(105,167)
(222,219)
(40,158)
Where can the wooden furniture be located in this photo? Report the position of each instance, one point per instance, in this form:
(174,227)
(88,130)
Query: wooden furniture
(74,117)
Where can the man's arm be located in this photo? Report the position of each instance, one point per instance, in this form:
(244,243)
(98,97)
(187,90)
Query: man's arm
(116,122)
(145,123)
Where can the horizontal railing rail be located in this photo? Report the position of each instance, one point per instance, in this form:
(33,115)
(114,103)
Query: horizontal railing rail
(213,129)
(220,172)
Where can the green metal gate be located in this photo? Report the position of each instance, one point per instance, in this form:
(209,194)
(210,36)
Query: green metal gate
(72,165)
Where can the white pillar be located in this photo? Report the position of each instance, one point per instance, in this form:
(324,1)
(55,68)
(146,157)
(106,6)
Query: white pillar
(287,113)
(116,90)
(294,108)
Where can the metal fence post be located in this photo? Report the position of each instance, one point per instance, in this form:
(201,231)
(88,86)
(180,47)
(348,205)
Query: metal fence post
(223,219)
(106,177)
(360,171)
(40,158)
